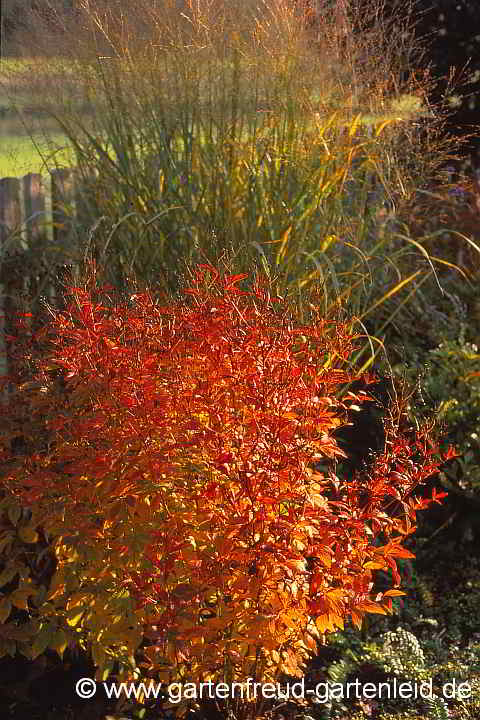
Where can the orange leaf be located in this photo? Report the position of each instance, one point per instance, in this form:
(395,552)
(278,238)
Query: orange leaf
(401,553)
(336,620)
(357,620)
(295,564)
(324,623)
(370,607)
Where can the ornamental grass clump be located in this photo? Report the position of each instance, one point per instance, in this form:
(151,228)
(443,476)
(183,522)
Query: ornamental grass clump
(263,130)
(168,455)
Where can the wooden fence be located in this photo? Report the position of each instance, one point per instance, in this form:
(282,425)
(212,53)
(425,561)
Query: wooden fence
(37,213)
(34,206)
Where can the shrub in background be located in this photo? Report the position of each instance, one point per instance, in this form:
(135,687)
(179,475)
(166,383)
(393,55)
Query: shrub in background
(407,655)
(448,379)
(175,481)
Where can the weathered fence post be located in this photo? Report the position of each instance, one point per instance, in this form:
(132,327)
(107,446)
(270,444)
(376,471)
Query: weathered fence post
(11,272)
(38,232)
(35,212)
(42,244)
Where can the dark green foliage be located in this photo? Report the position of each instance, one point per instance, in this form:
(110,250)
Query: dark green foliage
(449,384)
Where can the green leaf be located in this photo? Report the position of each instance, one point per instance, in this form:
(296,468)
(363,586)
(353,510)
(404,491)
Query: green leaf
(14,512)
(42,640)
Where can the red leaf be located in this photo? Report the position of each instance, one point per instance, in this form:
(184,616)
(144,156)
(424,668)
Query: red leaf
(437,497)
(184,441)
(231,280)
(451,453)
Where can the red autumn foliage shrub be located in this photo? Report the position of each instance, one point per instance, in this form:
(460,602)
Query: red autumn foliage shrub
(175,480)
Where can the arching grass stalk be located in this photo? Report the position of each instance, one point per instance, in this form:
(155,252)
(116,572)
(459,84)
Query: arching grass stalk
(225,131)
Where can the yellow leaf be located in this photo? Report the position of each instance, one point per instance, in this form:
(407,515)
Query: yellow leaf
(57,583)
(79,598)
(283,245)
(295,564)
(329,240)
(372,565)
(336,594)
(42,640)
(384,125)
(337,621)
(388,294)
(74,616)
(27,534)
(19,598)
(318,500)
(354,125)
(289,622)
(325,558)
(59,642)
(323,623)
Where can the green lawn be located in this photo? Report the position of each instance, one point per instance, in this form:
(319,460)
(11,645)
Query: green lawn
(21,154)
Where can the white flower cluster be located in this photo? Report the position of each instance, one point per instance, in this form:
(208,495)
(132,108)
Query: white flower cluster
(402,652)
